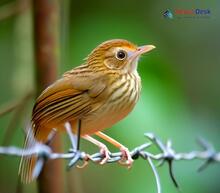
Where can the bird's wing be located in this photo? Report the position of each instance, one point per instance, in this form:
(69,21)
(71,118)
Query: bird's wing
(69,98)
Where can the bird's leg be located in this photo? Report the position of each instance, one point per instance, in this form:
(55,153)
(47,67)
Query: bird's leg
(75,140)
(124,150)
(103,149)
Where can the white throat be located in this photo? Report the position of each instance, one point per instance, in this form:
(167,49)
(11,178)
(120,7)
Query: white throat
(132,67)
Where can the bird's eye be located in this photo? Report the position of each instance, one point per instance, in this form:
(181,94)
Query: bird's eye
(121,55)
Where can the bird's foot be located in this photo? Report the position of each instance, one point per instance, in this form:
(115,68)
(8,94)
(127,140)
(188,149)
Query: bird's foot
(105,153)
(85,162)
(126,159)
(105,157)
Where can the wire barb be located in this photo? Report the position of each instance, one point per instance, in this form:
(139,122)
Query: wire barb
(212,154)
(168,155)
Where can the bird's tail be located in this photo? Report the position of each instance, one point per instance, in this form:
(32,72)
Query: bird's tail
(27,163)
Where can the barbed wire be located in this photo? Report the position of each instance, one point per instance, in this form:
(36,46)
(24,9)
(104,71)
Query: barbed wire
(166,154)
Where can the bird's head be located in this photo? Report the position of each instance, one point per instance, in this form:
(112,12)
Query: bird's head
(117,54)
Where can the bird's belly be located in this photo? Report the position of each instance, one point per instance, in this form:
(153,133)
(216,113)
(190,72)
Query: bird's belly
(104,118)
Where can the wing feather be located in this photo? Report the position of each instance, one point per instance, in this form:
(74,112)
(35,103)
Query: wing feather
(67,99)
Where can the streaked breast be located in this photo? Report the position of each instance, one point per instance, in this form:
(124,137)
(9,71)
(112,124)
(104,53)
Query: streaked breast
(124,94)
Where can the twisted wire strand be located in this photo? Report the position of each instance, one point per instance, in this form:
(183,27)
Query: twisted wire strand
(166,154)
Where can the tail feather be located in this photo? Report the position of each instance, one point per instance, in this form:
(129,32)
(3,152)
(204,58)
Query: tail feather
(28,163)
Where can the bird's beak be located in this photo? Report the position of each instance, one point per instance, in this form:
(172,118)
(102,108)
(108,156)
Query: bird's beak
(141,50)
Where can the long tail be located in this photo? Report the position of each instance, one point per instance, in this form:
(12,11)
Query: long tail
(27,163)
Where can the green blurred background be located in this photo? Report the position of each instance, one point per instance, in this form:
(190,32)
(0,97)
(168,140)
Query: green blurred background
(180,98)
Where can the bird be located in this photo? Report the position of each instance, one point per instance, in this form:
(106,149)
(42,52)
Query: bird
(100,92)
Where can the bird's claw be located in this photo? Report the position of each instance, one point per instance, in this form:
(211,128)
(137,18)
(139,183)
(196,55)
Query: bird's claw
(126,159)
(85,162)
(106,155)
